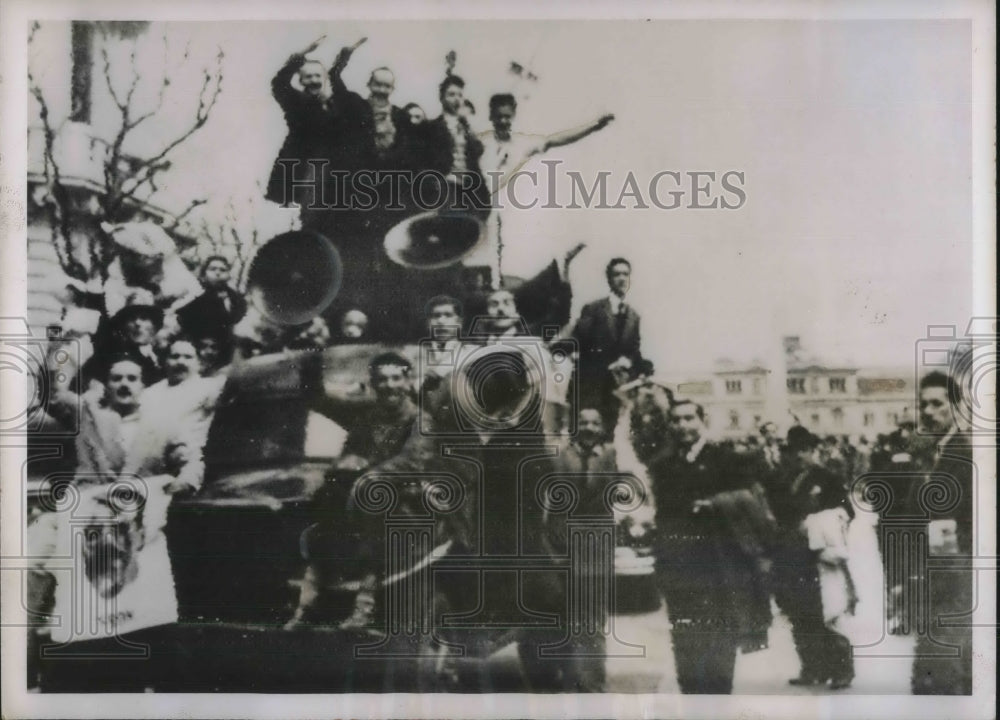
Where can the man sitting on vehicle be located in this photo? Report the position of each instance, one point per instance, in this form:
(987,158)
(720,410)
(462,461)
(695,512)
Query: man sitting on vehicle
(377,428)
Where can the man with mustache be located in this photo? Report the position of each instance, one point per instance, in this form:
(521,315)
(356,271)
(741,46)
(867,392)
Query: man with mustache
(108,421)
(590,466)
(179,408)
(504,322)
(322,127)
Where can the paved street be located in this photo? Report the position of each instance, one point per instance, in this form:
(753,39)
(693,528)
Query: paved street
(882,661)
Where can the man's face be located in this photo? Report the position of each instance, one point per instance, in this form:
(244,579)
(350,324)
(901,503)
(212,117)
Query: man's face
(619,278)
(417,115)
(354,324)
(391,384)
(451,101)
(182,362)
(769,432)
(140,330)
(503,119)
(124,386)
(590,428)
(215,275)
(311,77)
(686,424)
(444,322)
(935,410)
(502,308)
(809,457)
(381,84)
(209,352)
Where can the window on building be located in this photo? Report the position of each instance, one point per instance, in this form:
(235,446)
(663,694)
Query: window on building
(734,420)
(814,385)
(838,385)
(838,417)
(796,385)
(758,386)
(892,418)
(815,419)
(734,387)
(869,419)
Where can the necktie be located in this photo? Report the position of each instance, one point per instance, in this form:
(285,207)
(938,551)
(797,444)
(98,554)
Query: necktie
(620,319)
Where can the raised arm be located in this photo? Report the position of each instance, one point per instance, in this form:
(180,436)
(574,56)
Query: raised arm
(343,57)
(281,84)
(568,137)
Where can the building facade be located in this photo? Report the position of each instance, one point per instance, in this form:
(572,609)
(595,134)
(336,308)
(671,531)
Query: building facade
(827,398)
(65,245)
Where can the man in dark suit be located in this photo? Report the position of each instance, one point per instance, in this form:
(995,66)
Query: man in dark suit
(590,466)
(387,126)
(795,488)
(949,535)
(607,334)
(323,131)
(213,313)
(448,146)
(713,528)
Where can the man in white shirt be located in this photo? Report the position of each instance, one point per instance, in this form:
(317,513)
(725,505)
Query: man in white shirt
(504,153)
(178,409)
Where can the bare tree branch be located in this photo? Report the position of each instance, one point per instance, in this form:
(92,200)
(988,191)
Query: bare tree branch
(147,170)
(58,201)
(128,182)
(197,202)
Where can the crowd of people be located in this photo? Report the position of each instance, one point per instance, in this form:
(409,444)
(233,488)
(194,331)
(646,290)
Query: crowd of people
(732,524)
(357,167)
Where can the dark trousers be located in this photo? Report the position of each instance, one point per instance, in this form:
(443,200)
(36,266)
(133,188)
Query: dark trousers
(823,652)
(705,660)
(942,663)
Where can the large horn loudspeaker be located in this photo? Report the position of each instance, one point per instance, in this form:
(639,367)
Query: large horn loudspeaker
(294,277)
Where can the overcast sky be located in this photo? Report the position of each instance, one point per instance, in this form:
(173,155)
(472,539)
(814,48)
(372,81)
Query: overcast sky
(854,138)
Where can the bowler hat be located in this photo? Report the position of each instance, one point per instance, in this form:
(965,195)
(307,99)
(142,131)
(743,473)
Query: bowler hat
(800,439)
(139,304)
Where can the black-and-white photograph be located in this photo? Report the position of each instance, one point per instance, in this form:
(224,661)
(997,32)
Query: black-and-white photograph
(402,352)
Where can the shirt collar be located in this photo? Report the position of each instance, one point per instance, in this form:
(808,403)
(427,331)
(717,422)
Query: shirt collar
(616,303)
(512,331)
(944,441)
(450,344)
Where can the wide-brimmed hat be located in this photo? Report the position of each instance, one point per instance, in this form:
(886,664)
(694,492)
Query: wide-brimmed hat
(142,238)
(139,304)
